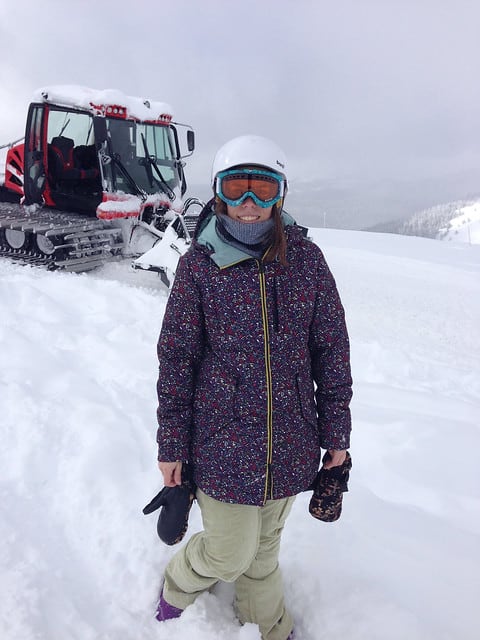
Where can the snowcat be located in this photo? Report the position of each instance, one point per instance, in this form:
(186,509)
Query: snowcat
(99,175)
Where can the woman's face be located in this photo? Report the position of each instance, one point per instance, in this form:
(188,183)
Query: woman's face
(249,212)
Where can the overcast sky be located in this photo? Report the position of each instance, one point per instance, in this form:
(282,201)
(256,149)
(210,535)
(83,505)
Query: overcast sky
(349,88)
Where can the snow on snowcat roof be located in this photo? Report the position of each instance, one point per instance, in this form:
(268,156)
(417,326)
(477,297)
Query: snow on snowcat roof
(107,102)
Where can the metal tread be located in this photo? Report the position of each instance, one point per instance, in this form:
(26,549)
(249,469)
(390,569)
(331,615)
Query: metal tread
(79,243)
(32,259)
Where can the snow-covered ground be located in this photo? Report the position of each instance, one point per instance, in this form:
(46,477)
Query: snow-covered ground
(79,561)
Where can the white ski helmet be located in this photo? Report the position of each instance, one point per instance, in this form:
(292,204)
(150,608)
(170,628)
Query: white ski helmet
(250,150)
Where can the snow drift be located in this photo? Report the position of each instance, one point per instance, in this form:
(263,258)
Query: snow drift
(79,561)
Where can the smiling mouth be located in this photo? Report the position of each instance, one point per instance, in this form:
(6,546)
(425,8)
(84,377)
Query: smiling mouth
(249,218)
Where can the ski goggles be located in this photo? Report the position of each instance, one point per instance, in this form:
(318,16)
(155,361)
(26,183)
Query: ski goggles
(234,186)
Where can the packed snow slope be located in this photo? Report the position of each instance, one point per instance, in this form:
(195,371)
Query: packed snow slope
(79,561)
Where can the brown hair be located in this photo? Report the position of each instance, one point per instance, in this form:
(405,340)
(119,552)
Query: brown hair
(278,249)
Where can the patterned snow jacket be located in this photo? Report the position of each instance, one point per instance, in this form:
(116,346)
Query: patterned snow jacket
(254,373)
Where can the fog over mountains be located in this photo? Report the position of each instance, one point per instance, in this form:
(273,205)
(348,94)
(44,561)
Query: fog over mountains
(378,205)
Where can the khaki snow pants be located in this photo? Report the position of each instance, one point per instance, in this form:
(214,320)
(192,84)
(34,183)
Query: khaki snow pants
(240,543)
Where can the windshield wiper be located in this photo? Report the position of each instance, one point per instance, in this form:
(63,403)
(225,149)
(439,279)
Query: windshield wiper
(153,164)
(133,185)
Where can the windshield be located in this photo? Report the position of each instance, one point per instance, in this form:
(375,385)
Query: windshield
(129,142)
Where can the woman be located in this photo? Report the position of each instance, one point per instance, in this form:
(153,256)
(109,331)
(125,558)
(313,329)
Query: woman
(254,379)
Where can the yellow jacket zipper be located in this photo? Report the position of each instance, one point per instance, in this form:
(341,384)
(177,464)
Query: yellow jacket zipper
(268,378)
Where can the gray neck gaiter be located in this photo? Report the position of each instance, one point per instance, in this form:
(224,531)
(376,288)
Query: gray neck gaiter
(248,233)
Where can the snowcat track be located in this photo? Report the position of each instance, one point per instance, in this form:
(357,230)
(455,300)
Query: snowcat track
(75,242)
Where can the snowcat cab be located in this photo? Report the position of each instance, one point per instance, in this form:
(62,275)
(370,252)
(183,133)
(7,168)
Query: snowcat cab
(115,160)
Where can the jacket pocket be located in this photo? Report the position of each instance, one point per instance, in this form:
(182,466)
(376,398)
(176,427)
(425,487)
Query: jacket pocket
(214,413)
(306,399)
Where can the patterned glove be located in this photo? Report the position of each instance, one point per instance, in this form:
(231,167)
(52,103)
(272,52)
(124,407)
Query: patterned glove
(328,488)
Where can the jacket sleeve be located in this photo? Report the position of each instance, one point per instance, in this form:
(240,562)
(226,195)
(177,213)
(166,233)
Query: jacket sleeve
(180,348)
(330,352)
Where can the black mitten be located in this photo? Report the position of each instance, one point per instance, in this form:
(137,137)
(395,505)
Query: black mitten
(328,488)
(175,504)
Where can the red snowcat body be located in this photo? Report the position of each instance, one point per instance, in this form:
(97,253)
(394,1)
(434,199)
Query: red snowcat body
(99,174)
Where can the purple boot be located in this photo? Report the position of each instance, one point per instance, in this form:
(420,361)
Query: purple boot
(166,611)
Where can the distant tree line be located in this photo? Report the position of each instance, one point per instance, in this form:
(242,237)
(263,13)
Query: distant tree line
(429,222)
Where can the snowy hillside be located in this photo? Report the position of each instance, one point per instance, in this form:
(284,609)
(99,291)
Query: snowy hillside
(79,561)
(464,226)
(436,221)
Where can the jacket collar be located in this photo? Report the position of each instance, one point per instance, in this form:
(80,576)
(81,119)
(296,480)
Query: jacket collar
(222,254)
